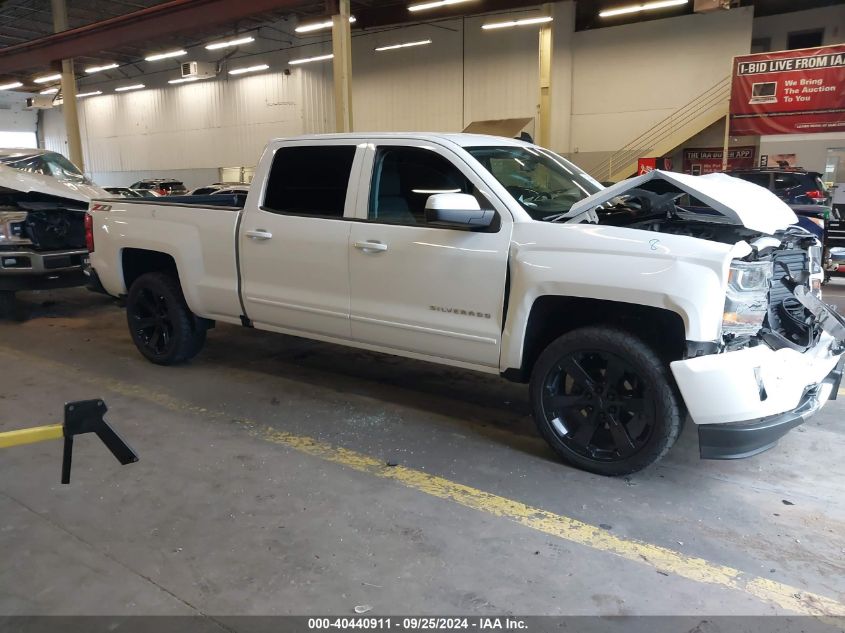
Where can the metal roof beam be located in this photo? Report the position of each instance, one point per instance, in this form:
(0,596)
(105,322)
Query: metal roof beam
(168,18)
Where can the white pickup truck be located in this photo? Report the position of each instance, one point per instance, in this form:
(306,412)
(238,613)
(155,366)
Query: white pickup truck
(628,309)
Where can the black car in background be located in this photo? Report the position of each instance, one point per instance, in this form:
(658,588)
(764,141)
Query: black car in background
(163,186)
(793,185)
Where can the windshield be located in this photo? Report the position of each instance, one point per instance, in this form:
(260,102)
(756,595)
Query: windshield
(544,184)
(47,164)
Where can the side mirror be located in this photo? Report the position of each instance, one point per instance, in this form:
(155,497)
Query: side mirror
(457,211)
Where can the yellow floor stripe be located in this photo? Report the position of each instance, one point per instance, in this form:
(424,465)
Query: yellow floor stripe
(660,558)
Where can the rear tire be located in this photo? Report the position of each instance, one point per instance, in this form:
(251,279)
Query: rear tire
(604,401)
(8,304)
(162,326)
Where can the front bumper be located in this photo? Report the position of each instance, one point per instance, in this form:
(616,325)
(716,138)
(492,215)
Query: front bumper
(753,383)
(743,439)
(24,269)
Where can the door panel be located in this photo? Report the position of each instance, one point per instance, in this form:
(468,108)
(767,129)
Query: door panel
(421,289)
(294,248)
(299,278)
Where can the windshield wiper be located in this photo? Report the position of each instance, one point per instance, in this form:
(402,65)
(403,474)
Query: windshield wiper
(556,217)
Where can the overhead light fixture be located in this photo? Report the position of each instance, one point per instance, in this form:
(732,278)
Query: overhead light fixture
(183,80)
(319,26)
(523,22)
(307,60)
(132,87)
(236,42)
(405,45)
(89,94)
(49,91)
(10,86)
(422,6)
(44,79)
(96,69)
(158,56)
(248,69)
(636,8)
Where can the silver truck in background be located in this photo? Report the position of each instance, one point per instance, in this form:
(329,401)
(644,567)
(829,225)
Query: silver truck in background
(43,200)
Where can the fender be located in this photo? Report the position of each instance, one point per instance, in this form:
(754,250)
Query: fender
(685,275)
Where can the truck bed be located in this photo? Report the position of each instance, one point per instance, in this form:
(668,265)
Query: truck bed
(197,232)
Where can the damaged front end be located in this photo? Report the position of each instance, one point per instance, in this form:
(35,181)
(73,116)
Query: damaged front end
(780,342)
(42,241)
(767,292)
(780,355)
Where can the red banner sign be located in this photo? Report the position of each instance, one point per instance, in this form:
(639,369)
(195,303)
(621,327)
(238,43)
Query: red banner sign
(706,160)
(645,165)
(789,92)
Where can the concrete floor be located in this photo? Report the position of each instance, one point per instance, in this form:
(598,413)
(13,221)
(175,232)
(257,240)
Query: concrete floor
(224,515)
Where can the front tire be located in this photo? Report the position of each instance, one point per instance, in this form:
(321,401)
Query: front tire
(604,401)
(162,326)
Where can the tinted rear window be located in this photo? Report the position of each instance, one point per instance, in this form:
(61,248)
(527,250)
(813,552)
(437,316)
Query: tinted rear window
(310,180)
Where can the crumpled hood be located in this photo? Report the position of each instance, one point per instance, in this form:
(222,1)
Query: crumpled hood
(738,200)
(27,182)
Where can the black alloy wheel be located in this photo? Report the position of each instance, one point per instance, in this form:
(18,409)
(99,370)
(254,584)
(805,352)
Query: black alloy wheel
(151,322)
(604,401)
(160,322)
(599,405)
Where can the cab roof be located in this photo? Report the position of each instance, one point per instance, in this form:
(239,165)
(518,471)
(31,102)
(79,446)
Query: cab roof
(461,139)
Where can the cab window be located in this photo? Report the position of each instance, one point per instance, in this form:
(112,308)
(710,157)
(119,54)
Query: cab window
(310,181)
(403,180)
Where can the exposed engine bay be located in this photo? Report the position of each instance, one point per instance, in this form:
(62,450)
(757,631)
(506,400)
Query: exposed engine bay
(41,222)
(773,293)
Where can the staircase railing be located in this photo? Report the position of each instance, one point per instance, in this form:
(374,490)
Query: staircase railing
(643,144)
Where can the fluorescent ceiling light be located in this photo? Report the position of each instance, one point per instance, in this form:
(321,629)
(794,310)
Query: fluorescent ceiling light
(96,69)
(49,91)
(158,56)
(523,22)
(46,78)
(89,94)
(636,8)
(405,45)
(183,80)
(248,69)
(306,60)
(318,26)
(227,43)
(434,5)
(132,87)
(14,84)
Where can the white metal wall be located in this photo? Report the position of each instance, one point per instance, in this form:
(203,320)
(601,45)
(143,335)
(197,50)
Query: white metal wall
(628,78)
(13,116)
(198,125)
(412,88)
(602,95)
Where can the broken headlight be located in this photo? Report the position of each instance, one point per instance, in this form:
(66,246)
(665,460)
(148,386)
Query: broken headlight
(12,227)
(747,300)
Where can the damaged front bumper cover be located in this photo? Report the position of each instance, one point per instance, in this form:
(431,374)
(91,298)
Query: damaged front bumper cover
(744,439)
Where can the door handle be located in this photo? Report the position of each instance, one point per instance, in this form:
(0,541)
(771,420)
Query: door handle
(259,234)
(371,247)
